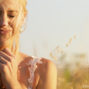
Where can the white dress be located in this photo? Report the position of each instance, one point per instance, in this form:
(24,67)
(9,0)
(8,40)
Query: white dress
(33,64)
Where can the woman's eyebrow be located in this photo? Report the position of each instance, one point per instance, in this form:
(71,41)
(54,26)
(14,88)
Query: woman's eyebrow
(10,11)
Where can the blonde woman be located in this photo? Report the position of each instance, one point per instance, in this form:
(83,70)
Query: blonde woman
(18,70)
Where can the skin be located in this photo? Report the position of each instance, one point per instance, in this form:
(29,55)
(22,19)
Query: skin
(13,77)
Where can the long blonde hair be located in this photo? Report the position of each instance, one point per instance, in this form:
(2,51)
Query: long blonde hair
(23,4)
(15,47)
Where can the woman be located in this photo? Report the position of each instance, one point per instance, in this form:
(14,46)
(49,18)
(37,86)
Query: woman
(18,70)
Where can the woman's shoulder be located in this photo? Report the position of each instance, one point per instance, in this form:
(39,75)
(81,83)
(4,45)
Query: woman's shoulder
(47,63)
(42,63)
(47,66)
(48,73)
(45,70)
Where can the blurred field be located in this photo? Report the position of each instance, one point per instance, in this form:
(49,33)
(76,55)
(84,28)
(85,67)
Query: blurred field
(73,71)
(76,79)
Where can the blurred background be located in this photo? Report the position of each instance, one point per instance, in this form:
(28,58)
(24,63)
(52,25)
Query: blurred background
(59,30)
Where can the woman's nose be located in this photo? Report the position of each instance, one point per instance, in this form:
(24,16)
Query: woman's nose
(3,21)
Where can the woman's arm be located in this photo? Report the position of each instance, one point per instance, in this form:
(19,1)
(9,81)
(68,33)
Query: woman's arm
(8,70)
(48,78)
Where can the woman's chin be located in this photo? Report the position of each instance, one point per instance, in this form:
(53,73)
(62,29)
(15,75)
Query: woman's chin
(4,44)
(5,37)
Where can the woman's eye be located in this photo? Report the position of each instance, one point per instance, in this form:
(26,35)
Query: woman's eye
(11,16)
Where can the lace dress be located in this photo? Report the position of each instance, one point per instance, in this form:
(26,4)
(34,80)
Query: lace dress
(32,68)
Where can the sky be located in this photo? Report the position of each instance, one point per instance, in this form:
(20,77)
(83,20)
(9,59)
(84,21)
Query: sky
(52,23)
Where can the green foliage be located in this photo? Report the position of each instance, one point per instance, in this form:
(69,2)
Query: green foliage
(67,74)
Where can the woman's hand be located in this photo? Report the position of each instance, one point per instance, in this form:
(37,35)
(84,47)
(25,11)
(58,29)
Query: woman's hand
(8,69)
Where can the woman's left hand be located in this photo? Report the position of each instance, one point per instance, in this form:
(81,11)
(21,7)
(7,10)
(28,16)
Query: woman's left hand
(8,69)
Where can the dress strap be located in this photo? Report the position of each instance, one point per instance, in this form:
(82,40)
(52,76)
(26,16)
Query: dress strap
(33,64)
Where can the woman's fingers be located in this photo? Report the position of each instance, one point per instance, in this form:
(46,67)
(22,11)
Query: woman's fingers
(6,58)
(4,63)
(4,55)
(2,60)
(8,52)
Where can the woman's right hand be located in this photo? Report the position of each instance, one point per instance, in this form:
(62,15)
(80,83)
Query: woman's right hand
(1,84)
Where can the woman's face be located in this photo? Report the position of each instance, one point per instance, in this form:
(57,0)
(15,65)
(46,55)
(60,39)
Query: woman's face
(11,19)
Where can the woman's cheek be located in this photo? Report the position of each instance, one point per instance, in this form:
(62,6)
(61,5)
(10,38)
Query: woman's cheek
(13,26)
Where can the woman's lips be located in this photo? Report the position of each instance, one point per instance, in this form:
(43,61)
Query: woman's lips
(4,31)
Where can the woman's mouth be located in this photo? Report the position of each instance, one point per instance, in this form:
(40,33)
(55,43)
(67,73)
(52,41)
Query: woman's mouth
(4,31)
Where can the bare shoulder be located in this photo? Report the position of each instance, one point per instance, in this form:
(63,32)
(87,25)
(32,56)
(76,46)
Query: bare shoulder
(45,74)
(48,65)
(48,75)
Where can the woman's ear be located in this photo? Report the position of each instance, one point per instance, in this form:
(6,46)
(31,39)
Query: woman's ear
(23,23)
(24,17)
(25,14)
(22,20)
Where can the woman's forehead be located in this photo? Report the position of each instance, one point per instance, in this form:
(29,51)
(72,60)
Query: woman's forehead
(10,4)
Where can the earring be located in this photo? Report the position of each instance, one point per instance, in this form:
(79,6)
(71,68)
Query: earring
(21,30)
